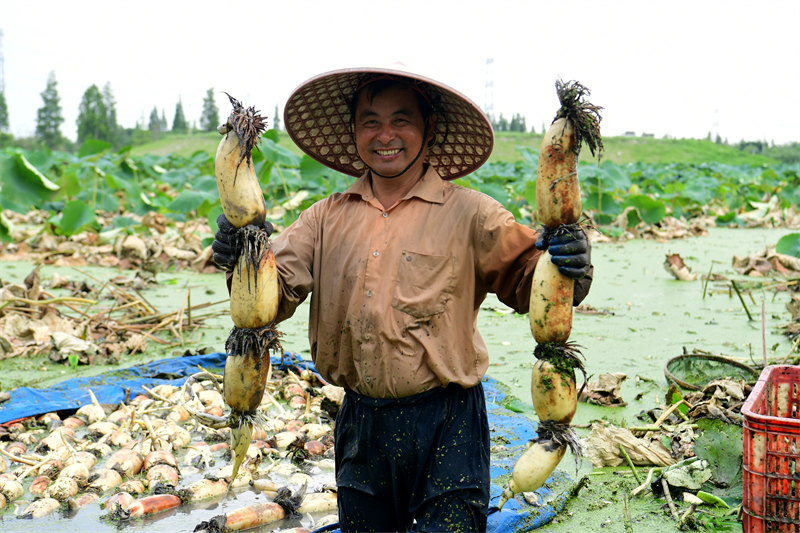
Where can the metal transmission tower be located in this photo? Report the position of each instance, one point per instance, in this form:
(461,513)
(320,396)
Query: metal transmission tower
(488,96)
(2,76)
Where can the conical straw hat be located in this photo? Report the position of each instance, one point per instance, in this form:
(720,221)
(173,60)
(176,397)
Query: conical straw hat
(318,119)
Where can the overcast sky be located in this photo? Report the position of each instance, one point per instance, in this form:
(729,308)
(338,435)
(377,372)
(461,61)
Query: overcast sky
(678,68)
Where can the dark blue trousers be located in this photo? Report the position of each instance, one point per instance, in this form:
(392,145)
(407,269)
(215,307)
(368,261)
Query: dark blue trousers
(419,463)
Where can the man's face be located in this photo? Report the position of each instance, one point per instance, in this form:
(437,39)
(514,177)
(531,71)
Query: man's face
(390,131)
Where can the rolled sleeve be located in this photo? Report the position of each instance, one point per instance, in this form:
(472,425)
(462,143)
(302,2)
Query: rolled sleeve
(506,255)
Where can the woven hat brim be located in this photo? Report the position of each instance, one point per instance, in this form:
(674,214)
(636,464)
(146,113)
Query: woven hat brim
(317,118)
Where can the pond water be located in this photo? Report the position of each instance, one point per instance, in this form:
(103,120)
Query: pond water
(653,317)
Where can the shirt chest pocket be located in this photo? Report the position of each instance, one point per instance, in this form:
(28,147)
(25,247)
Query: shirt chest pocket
(424,285)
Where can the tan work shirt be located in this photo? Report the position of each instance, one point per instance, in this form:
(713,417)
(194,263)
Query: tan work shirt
(395,293)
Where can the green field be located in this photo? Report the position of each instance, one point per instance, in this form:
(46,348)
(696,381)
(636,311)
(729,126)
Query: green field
(643,178)
(618,150)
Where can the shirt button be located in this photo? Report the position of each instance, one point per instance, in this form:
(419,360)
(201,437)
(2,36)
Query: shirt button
(369,293)
(367,379)
(385,214)
(376,253)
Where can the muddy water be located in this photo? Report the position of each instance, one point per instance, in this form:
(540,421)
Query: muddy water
(651,317)
(648,317)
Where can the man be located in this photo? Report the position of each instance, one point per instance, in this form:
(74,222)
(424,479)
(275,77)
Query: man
(397,267)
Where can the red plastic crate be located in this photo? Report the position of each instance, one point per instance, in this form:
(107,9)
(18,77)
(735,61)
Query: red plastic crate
(771,461)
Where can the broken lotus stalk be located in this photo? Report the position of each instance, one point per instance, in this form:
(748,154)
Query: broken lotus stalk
(553,387)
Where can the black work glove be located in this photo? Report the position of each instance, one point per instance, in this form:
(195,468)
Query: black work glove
(227,245)
(570,251)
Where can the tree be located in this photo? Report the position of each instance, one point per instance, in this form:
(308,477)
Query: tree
(93,116)
(520,123)
(179,124)
(209,120)
(276,120)
(111,115)
(517,123)
(3,113)
(49,117)
(6,139)
(164,120)
(502,123)
(155,124)
(513,125)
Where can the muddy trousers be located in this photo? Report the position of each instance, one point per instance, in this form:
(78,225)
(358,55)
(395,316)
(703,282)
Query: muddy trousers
(419,463)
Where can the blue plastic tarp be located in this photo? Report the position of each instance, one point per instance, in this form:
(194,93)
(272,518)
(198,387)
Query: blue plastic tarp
(110,388)
(511,429)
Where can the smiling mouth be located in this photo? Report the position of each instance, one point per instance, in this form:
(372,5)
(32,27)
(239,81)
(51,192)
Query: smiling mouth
(386,153)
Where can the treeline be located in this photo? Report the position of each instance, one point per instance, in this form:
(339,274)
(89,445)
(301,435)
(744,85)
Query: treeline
(501,123)
(786,153)
(97,119)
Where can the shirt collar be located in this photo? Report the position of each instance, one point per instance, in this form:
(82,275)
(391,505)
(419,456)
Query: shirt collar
(430,188)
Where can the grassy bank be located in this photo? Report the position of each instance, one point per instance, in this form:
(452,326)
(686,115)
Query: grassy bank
(507,148)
